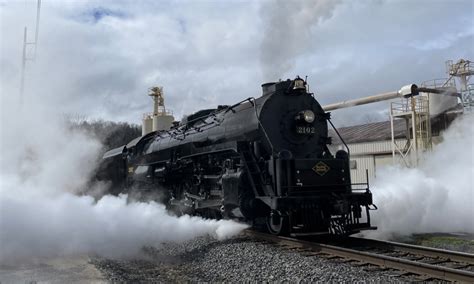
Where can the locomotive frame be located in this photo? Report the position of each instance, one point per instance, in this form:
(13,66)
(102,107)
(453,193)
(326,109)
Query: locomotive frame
(261,160)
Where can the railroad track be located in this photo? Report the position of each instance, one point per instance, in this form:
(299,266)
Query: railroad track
(427,263)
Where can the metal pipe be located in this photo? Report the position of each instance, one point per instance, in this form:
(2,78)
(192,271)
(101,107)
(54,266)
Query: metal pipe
(362,101)
(405,92)
(441,91)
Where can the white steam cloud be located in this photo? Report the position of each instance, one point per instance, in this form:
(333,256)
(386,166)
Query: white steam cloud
(67,224)
(436,197)
(287,27)
(42,164)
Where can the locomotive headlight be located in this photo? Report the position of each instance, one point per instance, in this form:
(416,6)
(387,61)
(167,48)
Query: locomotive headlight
(308,116)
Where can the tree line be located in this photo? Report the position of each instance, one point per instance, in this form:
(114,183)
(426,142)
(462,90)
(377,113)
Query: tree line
(111,134)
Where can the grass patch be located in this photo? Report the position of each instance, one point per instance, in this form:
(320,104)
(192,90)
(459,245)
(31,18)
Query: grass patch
(445,242)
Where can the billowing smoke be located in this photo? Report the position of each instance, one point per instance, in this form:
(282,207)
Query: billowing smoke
(43,165)
(287,29)
(435,197)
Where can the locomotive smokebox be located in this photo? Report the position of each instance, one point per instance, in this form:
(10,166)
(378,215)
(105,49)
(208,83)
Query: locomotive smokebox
(268,88)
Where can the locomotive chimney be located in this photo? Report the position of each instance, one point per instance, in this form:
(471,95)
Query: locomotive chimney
(268,88)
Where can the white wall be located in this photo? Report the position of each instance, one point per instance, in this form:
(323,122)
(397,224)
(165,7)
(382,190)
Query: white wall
(371,156)
(368,156)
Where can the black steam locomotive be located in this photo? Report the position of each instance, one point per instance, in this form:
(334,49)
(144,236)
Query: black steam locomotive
(264,160)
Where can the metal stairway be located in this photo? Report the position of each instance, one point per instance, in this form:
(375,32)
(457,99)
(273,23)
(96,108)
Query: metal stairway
(254,173)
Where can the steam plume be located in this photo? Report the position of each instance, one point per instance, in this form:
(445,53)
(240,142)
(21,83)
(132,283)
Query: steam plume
(436,197)
(43,163)
(287,32)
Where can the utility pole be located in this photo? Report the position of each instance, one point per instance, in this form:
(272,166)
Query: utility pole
(38,8)
(25,58)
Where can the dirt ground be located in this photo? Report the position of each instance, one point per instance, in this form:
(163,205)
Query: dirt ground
(77,269)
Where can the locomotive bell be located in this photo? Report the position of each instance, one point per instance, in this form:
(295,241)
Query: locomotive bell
(298,84)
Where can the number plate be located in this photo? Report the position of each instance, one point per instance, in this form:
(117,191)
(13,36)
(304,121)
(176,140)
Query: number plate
(305,130)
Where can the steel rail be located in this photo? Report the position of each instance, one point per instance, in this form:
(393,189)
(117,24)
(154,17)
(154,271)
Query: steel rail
(419,250)
(433,271)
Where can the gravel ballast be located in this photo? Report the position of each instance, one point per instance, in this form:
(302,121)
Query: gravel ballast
(235,260)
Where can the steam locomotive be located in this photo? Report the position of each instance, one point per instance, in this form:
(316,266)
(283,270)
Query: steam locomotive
(263,160)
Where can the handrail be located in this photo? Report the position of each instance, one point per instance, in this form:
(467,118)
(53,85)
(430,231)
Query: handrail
(252,100)
(231,108)
(340,137)
(160,113)
(421,105)
(439,83)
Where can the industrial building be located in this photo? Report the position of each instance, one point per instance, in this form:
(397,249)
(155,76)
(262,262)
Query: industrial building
(414,127)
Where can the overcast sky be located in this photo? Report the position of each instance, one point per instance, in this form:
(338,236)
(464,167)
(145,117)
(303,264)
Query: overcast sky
(98,58)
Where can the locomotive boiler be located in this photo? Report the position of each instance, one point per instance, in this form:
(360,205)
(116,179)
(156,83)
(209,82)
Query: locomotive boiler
(263,160)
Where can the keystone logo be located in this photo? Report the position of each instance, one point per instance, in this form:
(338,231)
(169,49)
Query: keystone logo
(321,168)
